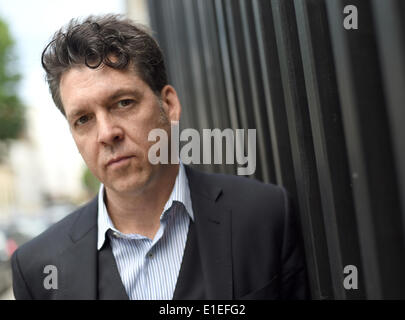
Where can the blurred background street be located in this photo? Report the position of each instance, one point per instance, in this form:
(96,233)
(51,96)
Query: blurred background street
(42,176)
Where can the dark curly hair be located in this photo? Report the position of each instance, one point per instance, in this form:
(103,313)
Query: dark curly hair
(108,40)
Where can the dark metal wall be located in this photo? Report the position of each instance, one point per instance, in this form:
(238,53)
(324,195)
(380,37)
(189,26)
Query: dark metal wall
(328,107)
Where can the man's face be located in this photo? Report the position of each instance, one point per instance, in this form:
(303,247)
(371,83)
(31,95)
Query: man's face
(110,113)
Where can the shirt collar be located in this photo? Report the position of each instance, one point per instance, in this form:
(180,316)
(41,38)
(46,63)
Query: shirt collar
(180,193)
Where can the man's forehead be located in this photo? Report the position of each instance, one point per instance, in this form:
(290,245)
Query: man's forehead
(76,82)
(85,74)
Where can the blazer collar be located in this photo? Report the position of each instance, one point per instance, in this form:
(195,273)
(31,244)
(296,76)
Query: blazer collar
(86,220)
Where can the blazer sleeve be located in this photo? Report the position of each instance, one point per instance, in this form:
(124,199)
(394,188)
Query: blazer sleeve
(294,281)
(20,288)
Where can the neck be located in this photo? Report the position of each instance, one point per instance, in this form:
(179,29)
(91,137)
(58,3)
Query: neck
(140,213)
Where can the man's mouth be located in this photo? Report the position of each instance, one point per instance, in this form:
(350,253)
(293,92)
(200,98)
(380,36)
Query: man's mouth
(118,160)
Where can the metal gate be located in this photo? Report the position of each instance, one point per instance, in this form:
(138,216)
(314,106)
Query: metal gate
(328,104)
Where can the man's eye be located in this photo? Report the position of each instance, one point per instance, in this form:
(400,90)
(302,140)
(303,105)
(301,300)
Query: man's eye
(125,102)
(82,120)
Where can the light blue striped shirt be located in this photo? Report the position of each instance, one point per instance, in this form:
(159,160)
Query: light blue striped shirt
(149,268)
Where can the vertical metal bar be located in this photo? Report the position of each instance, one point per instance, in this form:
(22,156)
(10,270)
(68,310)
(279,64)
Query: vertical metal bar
(356,154)
(227,72)
(273,97)
(195,74)
(267,95)
(175,59)
(370,153)
(213,69)
(302,147)
(329,143)
(238,58)
(390,15)
(227,68)
(319,140)
(256,93)
(215,98)
(235,61)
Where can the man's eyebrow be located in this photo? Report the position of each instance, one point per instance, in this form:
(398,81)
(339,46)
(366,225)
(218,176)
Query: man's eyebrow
(122,92)
(75,114)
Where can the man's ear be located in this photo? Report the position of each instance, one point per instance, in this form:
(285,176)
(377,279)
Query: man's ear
(171,103)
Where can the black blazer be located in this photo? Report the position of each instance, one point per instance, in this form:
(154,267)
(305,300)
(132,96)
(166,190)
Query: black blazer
(247,235)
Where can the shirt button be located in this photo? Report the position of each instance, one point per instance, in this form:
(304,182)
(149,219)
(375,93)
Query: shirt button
(150,255)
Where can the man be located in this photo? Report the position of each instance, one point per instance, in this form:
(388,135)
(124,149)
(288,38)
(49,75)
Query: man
(161,231)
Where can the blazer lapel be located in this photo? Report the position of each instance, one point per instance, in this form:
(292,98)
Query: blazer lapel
(77,272)
(213,230)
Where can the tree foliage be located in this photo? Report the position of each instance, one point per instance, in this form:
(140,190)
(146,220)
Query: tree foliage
(12,111)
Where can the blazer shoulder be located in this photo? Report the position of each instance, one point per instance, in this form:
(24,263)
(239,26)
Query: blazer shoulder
(235,183)
(246,186)
(249,199)
(235,189)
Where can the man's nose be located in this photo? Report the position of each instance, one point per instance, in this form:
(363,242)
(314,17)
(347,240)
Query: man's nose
(109,131)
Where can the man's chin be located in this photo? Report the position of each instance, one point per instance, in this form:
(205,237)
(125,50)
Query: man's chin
(129,185)
(133,183)
(125,188)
